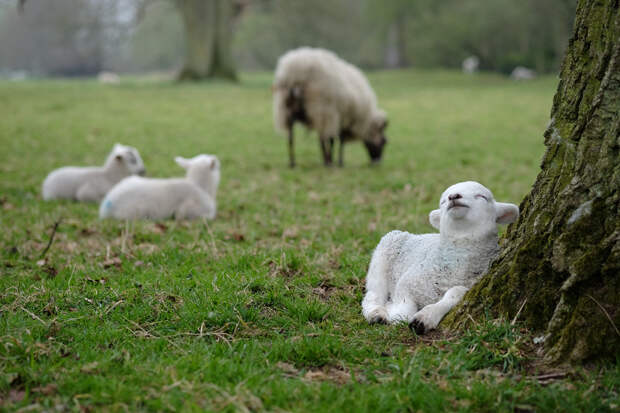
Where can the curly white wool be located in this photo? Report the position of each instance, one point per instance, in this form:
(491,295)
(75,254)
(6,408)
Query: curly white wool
(419,278)
(190,197)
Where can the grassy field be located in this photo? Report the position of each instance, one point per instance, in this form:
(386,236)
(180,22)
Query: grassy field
(259,309)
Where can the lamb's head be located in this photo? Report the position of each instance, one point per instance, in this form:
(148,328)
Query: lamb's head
(203,170)
(468,210)
(376,140)
(128,158)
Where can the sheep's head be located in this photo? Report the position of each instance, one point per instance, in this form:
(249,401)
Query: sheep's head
(376,140)
(128,157)
(468,209)
(203,170)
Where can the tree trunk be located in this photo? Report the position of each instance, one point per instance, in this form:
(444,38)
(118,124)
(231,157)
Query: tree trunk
(560,261)
(208,34)
(396,48)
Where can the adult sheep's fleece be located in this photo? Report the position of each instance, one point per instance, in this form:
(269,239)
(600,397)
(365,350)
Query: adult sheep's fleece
(419,278)
(327,94)
(90,184)
(190,197)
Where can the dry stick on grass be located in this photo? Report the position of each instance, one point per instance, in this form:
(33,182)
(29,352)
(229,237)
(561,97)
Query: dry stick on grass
(124,235)
(213,247)
(34,316)
(514,320)
(148,334)
(49,243)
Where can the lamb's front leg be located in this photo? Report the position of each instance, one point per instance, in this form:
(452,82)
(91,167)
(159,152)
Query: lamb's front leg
(377,290)
(401,309)
(429,317)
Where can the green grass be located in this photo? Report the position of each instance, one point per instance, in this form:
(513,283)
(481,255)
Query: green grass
(259,309)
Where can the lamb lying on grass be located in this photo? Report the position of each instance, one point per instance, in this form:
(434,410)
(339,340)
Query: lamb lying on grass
(90,184)
(419,278)
(182,198)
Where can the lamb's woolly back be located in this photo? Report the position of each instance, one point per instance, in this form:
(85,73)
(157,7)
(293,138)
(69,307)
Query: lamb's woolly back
(411,272)
(92,183)
(184,198)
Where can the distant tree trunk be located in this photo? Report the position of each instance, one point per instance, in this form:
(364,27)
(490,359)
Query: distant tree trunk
(396,48)
(208,33)
(561,261)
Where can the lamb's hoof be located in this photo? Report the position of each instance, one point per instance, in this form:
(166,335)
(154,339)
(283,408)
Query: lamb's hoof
(418,327)
(378,317)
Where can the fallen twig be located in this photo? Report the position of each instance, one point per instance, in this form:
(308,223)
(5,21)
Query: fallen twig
(49,243)
(34,316)
(551,376)
(514,320)
(212,238)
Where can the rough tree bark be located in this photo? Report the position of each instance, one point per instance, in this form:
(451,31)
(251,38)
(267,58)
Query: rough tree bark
(208,33)
(560,261)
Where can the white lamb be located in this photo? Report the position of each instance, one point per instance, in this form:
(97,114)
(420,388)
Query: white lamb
(419,278)
(470,65)
(182,198)
(90,184)
(522,73)
(327,94)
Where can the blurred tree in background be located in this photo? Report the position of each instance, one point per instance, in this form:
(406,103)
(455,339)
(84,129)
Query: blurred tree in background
(202,38)
(208,33)
(63,37)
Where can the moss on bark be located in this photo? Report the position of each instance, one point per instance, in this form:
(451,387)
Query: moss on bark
(562,257)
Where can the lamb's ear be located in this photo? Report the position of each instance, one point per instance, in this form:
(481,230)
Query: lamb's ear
(213,164)
(434,218)
(506,213)
(182,162)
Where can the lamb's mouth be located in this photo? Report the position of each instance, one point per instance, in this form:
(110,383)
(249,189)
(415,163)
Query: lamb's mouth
(456,204)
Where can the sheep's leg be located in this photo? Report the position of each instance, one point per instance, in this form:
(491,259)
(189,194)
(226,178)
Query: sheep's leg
(402,306)
(326,150)
(340,153)
(429,317)
(291,148)
(330,147)
(377,290)
(401,309)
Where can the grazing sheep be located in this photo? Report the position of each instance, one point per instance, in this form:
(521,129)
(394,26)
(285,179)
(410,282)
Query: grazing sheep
(90,184)
(522,73)
(108,78)
(182,198)
(470,65)
(419,278)
(325,93)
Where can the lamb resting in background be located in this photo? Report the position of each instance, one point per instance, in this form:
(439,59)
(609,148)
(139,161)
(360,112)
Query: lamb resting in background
(419,278)
(92,183)
(327,94)
(182,198)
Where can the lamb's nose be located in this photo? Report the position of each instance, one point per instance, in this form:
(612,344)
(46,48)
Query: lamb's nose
(454,196)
